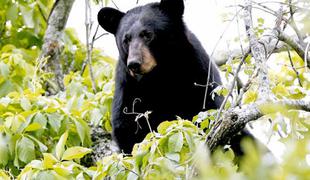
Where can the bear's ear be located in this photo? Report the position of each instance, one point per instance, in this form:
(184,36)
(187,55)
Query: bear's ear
(109,19)
(173,7)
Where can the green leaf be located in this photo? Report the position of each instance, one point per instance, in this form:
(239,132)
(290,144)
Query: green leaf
(4,70)
(173,156)
(260,20)
(42,147)
(163,127)
(4,175)
(106,2)
(27,13)
(40,119)
(190,141)
(60,147)
(268,108)
(49,160)
(55,121)
(280,90)
(249,97)
(12,13)
(96,116)
(32,127)
(25,104)
(61,170)
(175,142)
(248,59)
(6,87)
(83,131)
(4,151)
(46,175)
(25,150)
(75,153)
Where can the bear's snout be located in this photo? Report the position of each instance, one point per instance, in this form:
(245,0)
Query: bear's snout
(140,60)
(134,66)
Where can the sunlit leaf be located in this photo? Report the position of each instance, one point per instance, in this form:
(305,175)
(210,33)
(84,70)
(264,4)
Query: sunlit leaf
(49,160)
(75,153)
(60,146)
(175,143)
(25,150)
(4,150)
(249,97)
(33,127)
(25,104)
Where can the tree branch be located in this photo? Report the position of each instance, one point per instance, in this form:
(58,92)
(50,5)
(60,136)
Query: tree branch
(89,46)
(52,46)
(299,49)
(232,84)
(234,120)
(292,22)
(259,52)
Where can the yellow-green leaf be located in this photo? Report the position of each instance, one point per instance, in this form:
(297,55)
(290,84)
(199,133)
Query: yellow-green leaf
(48,160)
(163,127)
(25,104)
(75,153)
(60,147)
(25,150)
(175,142)
(33,127)
(250,97)
(61,170)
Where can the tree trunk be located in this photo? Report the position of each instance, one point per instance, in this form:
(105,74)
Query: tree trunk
(53,46)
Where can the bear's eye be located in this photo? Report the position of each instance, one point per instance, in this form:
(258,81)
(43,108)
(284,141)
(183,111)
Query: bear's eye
(127,39)
(146,35)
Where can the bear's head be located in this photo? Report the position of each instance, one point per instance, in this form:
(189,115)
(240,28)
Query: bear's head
(142,33)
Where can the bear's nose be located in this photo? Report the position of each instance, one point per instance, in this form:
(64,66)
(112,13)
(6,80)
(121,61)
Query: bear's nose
(134,66)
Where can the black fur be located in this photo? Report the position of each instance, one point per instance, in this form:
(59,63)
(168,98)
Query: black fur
(169,89)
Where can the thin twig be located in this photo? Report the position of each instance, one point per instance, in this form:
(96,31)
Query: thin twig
(292,22)
(88,25)
(267,10)
(226,28)
(104,34)
(293,67)
(94,36)
(115,4)
(278,28)
(299,49)
(245,88)
(239,34)
(41,12)
(283,3)
(232,85)
(210,63)
(306,56)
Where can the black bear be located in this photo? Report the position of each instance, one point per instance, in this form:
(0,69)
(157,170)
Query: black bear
(160,64)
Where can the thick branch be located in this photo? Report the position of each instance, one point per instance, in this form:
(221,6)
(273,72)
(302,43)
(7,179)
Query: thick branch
(300,50)
(234,121)
(258,51)
(53,46)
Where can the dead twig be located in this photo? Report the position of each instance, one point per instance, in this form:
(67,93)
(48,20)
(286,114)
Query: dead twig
(293,67)
(232,85)
(88,26)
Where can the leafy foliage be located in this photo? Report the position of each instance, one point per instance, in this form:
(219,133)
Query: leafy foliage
(47,136)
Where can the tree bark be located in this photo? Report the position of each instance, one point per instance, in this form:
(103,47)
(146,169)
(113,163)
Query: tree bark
(53,46)
(234,120)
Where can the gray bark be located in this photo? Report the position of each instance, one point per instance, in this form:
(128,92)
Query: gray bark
(235,119)
(53,46)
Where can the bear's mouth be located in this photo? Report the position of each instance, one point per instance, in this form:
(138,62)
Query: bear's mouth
(137,75)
